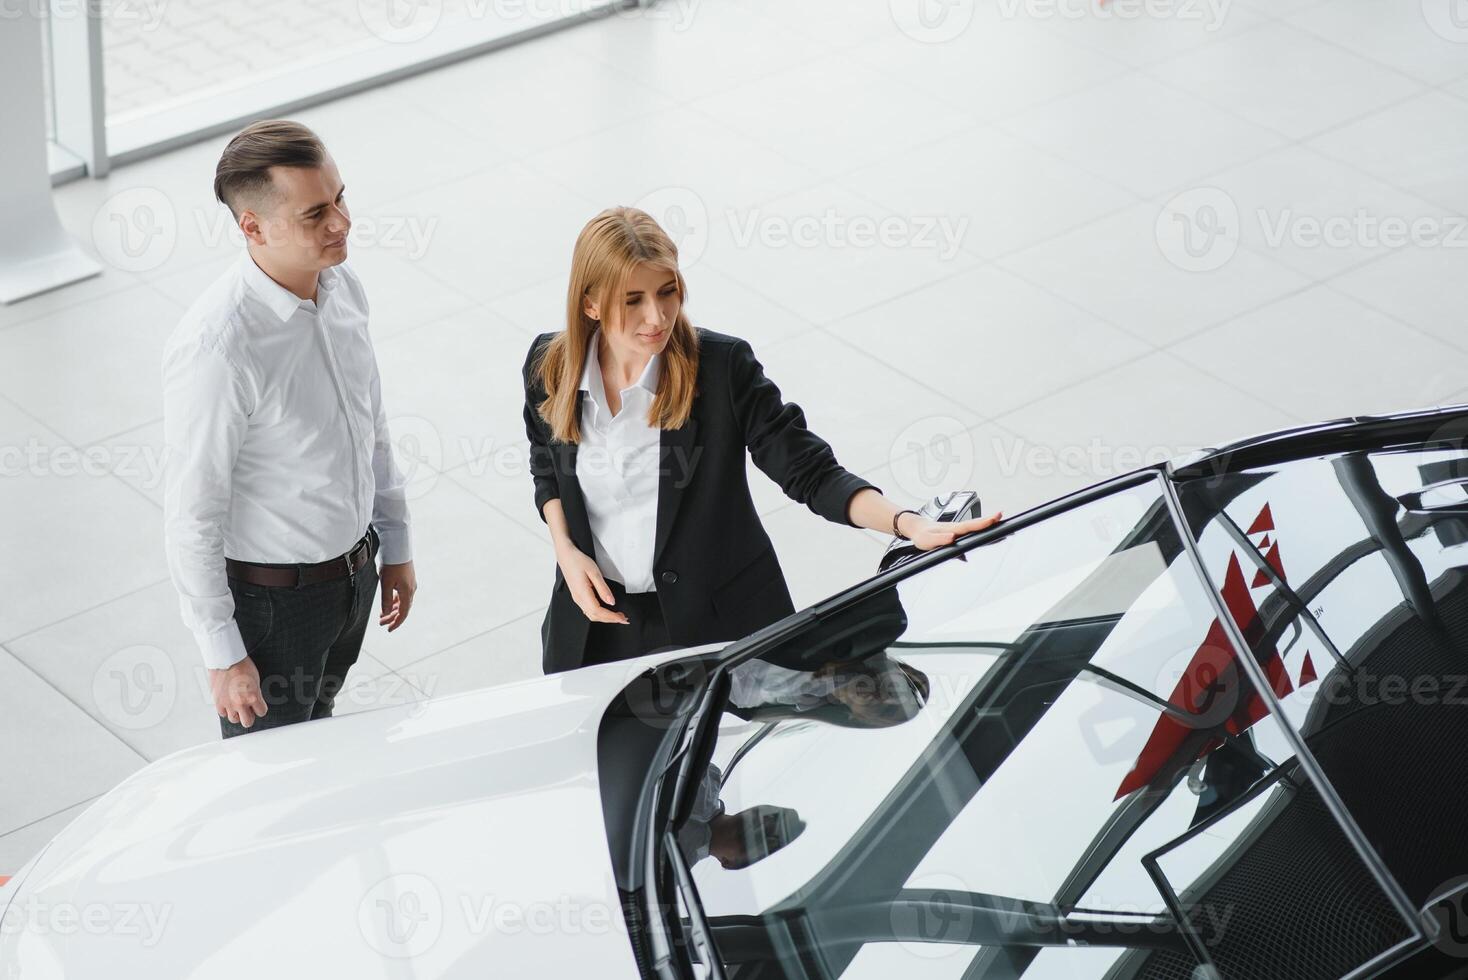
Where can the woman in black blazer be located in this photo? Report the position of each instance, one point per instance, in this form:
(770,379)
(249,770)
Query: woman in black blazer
(713,568)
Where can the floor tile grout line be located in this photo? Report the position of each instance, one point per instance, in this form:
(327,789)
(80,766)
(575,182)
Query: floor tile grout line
(1123,68)
(980,414)
(746,80)
(1189,51)
(449,473)
(1330,284)
(538,611)
(124,432)
(996,418)
(978,263)
(66,441)
(75,301)
(137,490)
(32,823)
(82,447)
(1384,179)
(1285,19)
(81,612)
(5,647)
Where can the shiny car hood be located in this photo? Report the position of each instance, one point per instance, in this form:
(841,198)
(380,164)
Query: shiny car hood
(459,837)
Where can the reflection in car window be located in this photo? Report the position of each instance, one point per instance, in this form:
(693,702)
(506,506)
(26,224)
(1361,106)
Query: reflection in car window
(1041,743)
(1350,574)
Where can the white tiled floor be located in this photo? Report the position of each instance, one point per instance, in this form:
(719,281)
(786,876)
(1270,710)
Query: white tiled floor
(1128,273)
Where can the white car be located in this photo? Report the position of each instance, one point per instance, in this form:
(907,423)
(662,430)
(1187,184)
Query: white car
(1201,720)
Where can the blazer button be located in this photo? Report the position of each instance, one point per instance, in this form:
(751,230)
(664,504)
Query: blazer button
(670,576)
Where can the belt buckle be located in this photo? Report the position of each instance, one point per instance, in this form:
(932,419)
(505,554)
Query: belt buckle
(351,556)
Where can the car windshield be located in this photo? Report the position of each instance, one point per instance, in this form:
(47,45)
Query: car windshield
(1038,758)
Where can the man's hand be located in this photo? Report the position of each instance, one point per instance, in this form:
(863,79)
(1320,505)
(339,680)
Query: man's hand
(398,585)
(236,692)
(588,588)
(928,534)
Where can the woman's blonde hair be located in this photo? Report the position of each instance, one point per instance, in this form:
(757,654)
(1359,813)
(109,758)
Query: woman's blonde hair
(610,246)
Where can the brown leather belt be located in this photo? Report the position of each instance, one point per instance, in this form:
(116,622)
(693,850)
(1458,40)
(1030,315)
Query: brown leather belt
(296,576)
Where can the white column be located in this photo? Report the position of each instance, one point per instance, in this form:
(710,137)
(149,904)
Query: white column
(36,254)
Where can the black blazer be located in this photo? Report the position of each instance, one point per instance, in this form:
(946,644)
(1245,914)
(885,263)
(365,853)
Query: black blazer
(716,572)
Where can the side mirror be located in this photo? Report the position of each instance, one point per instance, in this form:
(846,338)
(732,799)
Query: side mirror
(959,505)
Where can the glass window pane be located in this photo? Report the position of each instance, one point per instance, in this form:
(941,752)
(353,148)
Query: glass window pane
(1043,743)
(1350,576)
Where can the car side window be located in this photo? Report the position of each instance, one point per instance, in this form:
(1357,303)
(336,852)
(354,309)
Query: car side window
(1036,759)
(1350,575)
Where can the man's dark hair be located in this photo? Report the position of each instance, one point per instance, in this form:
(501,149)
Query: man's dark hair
(242,178)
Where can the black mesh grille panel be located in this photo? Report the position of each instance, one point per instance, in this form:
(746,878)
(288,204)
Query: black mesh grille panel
(1398,762)
(1298,904)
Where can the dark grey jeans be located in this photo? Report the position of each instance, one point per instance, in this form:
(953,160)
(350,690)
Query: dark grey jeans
(303,642)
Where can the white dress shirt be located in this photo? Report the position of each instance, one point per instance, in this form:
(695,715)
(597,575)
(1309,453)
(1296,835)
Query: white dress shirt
(276,443)
(617,467)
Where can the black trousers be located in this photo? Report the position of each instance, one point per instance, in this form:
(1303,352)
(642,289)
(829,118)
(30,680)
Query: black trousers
(303,641)
(645,633)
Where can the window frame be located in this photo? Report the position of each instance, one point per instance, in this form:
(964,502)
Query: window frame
(702,728)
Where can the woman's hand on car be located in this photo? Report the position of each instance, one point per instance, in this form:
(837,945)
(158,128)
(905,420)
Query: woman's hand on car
(928,534)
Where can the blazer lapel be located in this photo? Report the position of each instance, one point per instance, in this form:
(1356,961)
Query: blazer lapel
(677,459)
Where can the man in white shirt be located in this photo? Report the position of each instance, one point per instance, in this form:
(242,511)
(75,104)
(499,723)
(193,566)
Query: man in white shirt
(280,485)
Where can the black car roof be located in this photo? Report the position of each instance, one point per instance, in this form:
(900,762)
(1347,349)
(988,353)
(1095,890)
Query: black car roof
(1444,423)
